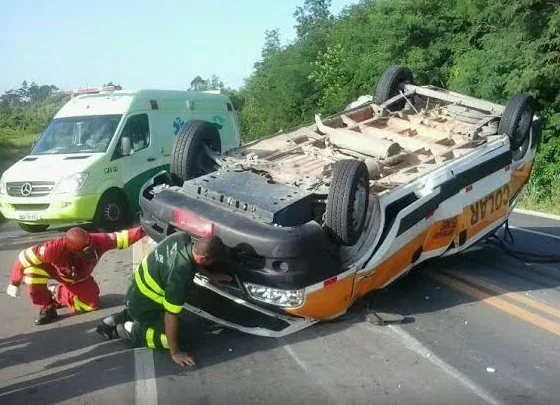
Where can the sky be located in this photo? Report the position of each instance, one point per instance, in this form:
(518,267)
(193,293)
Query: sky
(137,43)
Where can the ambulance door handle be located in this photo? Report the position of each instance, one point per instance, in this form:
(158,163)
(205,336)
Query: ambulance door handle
(151,159)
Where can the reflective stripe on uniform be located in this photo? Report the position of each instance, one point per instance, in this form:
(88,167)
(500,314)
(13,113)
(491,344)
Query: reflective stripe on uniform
(36,270)
(35,280)
(144,289)
(31,255)
(150,338)
(149,280)
(23,260)
(81,306)
(174,309)
(164,342)
(122,239)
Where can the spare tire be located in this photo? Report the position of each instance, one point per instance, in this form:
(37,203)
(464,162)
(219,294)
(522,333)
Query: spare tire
(390,83)
(347,201)
(516,123)
(189,158)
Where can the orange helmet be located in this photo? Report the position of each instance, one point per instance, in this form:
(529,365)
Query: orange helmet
(77,239)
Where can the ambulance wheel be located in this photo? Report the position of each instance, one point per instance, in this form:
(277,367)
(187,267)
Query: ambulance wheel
(111,214)
(33,228)
(390,83)
(516,123)
(347,201)
(189,158)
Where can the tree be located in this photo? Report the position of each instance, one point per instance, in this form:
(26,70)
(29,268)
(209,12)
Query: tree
(312,15)
(200,84)
(271,43)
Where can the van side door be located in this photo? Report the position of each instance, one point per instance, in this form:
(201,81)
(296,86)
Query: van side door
(136,156)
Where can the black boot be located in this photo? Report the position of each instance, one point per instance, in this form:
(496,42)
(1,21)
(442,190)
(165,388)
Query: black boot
(107,328)
(46,315)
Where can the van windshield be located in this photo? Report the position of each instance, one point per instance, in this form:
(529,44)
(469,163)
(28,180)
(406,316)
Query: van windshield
(77,135)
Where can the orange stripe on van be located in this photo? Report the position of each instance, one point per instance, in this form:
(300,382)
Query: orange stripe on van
(520,177)
(377,277)
(328,301)
(441,234)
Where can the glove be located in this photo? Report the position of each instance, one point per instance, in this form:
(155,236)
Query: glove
(13,291)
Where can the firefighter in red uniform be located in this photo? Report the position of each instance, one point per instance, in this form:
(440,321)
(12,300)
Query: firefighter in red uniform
(69,260)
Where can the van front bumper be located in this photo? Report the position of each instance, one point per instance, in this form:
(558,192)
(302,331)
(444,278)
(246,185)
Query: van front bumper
(51,210)
(217,305)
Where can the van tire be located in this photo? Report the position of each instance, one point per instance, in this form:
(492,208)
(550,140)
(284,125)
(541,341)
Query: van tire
(111,214)
(188,158)
(516,122)
(390,83)
(347,201)
(33,228)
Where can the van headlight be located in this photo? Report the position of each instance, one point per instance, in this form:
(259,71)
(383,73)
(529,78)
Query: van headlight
(2,185)
(71,184)
(275,296)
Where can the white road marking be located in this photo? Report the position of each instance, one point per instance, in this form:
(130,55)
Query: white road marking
(295,356)
(548,235)
(412,344)
(325,385)
(537,214)
(145,373)
(146,388)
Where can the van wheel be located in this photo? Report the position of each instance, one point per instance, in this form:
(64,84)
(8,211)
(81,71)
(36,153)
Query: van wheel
(516,123)
(189,158)
(111,214)
(347,201)
(390,83)
(33,228)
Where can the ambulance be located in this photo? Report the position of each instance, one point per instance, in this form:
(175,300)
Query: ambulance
(90,162)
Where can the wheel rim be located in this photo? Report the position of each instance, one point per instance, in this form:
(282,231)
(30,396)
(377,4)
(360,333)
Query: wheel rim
(523,127)
(358,206)
(204,162)
(113,212)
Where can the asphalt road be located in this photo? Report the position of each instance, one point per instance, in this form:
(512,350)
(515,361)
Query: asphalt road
(480,328)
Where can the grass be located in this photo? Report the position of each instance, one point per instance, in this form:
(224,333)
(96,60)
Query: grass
(14,145)
(548,205)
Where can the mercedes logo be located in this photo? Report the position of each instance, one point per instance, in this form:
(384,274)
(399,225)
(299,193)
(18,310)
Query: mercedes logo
(26,189)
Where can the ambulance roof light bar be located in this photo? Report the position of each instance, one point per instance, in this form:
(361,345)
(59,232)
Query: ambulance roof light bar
(91,90)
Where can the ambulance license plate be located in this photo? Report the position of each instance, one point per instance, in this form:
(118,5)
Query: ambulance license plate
(29,216)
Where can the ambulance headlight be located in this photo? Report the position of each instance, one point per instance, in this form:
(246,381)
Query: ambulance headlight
(275,296)
(2,185)
(71,184)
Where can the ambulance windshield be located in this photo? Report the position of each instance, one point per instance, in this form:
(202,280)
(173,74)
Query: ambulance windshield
(89,134)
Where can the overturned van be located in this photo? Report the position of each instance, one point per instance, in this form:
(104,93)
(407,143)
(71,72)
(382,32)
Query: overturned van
(318,217)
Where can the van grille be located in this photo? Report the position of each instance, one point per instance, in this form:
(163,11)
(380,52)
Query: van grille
(30,207)
(31,189)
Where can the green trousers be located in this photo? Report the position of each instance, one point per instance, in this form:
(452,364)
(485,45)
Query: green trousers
(148,328)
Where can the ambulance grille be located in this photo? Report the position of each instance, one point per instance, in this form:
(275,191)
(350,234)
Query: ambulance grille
(30,188)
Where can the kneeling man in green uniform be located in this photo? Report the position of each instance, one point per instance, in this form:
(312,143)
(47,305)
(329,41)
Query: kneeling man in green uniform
(159,288)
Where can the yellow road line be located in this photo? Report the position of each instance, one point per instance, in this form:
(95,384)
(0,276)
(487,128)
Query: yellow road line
(498,303)
(512,295)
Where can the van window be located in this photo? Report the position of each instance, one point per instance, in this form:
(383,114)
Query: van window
(138,129)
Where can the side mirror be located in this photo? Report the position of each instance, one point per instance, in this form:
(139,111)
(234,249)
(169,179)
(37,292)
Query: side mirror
(126,146)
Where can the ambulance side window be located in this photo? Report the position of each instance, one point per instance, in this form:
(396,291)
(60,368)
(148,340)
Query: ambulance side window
(137,128)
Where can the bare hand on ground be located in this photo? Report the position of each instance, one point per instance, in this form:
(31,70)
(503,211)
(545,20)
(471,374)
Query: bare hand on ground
(183,359)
